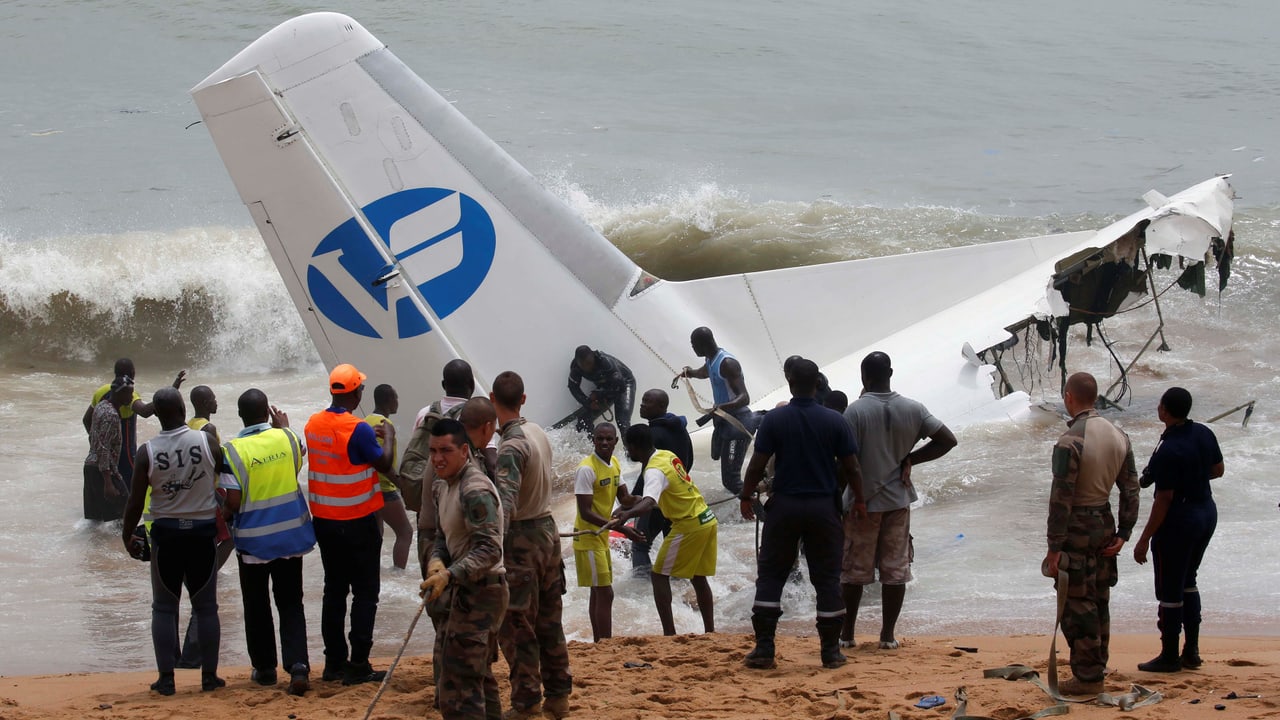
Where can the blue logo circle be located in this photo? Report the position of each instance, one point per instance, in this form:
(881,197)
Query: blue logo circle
(345,265)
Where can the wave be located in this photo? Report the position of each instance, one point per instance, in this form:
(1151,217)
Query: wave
(205,296)
(211,296)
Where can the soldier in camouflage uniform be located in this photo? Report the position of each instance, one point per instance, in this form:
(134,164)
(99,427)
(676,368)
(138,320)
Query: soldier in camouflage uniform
(466,560)
(1088,460)
(532,636)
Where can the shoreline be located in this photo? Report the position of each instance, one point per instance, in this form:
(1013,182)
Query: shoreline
(700,676)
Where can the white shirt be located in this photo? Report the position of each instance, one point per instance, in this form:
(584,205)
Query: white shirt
(655,482)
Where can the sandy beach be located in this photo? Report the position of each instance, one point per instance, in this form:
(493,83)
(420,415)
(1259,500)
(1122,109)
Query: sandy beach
(701,676)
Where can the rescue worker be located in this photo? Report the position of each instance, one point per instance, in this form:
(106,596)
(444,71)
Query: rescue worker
(670,432)
(386,402)
(272,531)
(1092,457)
(1180,526)
(342,483)
(689,549)
(614,383)
(808,441)
(729,391)
(204,404)
(532,634)
(180,466)
(596,485)
(466,559)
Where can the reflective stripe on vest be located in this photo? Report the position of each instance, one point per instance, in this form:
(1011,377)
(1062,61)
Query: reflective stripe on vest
(338,489)
(273,521)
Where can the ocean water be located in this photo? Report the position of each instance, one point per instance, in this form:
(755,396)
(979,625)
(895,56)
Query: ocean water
(702,140)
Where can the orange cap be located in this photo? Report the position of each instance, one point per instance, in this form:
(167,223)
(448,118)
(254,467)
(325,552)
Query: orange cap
(345,378)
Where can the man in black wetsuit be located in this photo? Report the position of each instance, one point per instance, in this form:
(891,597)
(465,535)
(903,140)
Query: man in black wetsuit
(614,385)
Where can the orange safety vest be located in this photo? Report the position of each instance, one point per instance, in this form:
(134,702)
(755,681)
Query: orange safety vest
(337,488)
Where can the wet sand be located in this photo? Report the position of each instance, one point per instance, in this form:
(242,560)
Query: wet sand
(700,676)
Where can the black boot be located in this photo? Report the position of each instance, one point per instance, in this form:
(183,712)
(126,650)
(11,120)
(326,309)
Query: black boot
(1191,630)
(1191,656)
(829,636)
(761,658)
(1170,627)
(1191,651)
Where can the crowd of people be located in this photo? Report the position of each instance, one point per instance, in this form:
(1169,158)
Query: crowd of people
(830,479)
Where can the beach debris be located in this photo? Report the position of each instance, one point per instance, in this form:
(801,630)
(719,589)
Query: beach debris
(104,706)
(966,649)
(1138,696)
(1219,706)
(931,701)
(1233,696)
(637,665)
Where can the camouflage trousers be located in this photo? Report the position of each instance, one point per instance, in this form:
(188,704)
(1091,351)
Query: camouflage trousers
(1086,620)
(465,648)
(437,610)
(532,637)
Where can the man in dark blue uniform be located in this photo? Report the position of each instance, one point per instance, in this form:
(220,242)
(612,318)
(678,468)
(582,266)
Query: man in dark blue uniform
(808,441)
(1180,526)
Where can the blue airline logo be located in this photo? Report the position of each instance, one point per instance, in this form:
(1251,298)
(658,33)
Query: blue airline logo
(346,263)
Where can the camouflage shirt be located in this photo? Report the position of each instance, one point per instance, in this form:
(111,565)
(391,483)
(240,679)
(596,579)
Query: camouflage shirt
(524,472)
(470,526)
(1090,458)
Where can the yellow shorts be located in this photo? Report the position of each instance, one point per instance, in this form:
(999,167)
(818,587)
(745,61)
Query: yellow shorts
(595,567)
(686,554)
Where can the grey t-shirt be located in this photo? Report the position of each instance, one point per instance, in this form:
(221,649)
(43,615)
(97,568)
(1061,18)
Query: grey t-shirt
(182,477)
(887,426)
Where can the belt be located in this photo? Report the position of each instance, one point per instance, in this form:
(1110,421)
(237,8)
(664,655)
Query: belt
(532,522)
(1094,510)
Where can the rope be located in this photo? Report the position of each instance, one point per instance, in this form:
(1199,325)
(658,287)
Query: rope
(693,398)
(386,679)
(1137,697)
(580,533)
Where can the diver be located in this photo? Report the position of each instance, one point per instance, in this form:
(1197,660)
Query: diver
(614,386)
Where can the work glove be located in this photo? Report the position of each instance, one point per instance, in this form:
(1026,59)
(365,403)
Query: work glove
(435,566)
(434,585)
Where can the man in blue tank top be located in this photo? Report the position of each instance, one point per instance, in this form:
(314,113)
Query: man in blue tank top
(729,390)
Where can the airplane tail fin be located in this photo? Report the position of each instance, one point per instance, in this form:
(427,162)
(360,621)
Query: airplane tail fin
(400,229)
